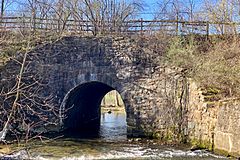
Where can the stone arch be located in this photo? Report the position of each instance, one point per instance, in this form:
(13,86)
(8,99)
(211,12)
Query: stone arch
(149,90)
(80,108)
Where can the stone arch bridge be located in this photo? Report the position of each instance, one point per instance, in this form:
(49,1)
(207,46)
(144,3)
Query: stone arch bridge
(76,72)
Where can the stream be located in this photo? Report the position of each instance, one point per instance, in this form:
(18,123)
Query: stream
(111,143)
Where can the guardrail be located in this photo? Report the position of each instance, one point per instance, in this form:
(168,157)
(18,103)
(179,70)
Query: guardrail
(130,26)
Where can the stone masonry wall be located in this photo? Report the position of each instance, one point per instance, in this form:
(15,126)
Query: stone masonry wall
(158,99)
(148,89)
(214,125)
(227,130)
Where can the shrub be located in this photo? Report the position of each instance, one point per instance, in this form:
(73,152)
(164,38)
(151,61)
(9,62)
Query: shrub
(215,66)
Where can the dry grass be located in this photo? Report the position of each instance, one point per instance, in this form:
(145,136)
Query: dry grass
(220,68)
(215,65)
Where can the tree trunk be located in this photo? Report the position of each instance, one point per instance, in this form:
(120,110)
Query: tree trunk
(2,8)
(5,129)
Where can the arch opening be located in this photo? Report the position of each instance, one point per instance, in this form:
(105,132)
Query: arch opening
(113,117)
(84,114)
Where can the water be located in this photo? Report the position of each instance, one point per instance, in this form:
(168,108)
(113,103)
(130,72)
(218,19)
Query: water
(113,126)
(112,143)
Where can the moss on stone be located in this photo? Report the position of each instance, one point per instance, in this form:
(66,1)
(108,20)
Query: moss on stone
(221,152)
(211,91)
(226,153)
(168,135)
(201,144)
(156,135)
(212,98)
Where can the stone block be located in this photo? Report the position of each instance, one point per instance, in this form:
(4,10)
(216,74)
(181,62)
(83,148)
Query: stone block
(223,141)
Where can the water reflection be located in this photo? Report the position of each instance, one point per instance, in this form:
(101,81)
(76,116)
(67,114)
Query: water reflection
(113,126)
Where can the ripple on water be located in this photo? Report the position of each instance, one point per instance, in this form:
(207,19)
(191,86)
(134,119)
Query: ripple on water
(126,151)
(112,144)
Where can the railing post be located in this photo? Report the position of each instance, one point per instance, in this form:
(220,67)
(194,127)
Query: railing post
(1,17)
(177,25)
(183,28)
(234,28)
(1,26)
(207,29)
(34,16)
(87,27)
(1,22)
(141,26)
(2,10)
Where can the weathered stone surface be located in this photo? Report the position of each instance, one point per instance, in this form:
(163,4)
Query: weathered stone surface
(78,71)
(214,125)
(227,137)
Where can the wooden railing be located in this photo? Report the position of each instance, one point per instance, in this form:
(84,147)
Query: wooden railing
(130,26)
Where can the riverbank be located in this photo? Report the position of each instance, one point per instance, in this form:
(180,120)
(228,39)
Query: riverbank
(112,109)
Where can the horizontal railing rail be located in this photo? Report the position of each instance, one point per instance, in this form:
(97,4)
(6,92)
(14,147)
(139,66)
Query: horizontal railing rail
(129,26)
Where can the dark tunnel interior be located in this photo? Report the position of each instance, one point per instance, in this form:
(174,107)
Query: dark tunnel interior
(83,108)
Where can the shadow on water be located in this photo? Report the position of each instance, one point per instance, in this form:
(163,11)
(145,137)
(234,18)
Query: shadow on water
(113,127)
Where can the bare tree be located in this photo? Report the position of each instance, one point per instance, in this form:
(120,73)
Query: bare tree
(15,102)
(223,13)
(106,15)
(2,7)
(170,9)
(190,9)
(23,106)
(98,16)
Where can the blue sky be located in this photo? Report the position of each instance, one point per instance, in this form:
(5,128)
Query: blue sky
(151,6)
